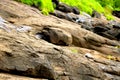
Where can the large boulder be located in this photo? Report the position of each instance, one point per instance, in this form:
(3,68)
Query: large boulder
(18,57)
(56,36)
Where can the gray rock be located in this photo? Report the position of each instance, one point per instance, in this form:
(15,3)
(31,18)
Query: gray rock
(64,8)
(75,10)
(3,25)
(59,14)
(23,28)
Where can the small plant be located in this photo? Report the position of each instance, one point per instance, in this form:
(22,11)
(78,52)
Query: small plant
(110,57)
(74,50)
(117,46)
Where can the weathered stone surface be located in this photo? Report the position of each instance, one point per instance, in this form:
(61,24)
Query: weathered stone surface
(56,36)
(93,24)
(22,53)
(19,57)
(4,76)
(81,37)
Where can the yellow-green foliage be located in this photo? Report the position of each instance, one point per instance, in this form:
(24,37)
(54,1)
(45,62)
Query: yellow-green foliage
(108,7)
(116,5)
(102,6)
(85,5)
(74,50)
(117,46)
(45,6)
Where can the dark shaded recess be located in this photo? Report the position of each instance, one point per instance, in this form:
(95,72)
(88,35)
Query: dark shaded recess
(99,29)
(56,2)
(61,43)
(111,33)
(105,32)
(109,36)
(116,30)
(116,13)
(8,54)
(118,36)
(75,10)
(116,26)
(44,36)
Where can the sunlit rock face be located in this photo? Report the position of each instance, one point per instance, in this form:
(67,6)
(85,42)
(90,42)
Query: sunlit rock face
(49,48)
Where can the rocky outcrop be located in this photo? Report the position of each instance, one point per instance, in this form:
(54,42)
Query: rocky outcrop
(47,47)
(97,23)
(56,36)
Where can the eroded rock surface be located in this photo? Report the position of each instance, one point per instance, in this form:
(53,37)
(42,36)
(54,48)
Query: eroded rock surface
(88,56)
(56,36)
(4,76)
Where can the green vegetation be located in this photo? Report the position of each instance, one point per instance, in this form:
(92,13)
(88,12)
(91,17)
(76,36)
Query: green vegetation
(108,6)
(45,6)
(102,6)
(85,5)
(74,50)
(117,46)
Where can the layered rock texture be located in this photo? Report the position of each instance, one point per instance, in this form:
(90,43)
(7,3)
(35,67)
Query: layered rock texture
(38,47)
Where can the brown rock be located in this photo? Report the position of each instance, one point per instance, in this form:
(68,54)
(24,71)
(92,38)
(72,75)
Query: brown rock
(4,76)
(20,59)
(57,36)
(23,54)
